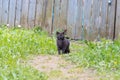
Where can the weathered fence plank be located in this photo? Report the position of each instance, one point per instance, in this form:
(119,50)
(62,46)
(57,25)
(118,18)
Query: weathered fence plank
(5,9)
(56,15)
(63,14)
(31,13)
(39,7)
(87,19)
(24,14)
(18,12)
(117,29)
(96,20)
(71,17)
(47,15)
(0,12)
(103,14)
(60,14)
(78,27)
(12,6)
(111,15)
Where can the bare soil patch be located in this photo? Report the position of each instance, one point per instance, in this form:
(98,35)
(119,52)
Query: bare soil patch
(57,68)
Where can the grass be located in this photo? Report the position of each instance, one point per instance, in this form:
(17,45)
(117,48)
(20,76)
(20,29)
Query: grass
(102,56)
(16,44)
(55,73)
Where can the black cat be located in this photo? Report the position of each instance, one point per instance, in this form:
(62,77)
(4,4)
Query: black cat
(62,43)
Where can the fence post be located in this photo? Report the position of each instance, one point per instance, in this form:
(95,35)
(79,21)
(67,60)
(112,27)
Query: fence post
(114,36)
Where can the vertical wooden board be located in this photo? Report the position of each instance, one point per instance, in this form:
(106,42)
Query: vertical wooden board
(71,18)
(18,12)
(0,11)
(75,18)
(63,14)
(31,13)
(39,7)
(60,14)
(56,15)
(48,20)
(87,19)
(117,34)
(24,14)
(96,19)
(5,9)
(111,15)
(47,15)
(103,14)
(11,18)
(78,28)
(44,12)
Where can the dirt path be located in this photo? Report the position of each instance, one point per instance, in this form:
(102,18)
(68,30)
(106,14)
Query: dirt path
(59,69)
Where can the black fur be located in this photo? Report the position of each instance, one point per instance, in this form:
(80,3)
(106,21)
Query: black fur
(62,43)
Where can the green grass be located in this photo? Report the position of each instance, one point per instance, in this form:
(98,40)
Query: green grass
(15,45)
(102,56)
(55,73)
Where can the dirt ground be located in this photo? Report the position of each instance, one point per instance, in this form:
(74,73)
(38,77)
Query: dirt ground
(57,68)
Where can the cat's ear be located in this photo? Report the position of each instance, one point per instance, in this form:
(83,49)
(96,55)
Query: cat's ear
(65,31)
(57,33)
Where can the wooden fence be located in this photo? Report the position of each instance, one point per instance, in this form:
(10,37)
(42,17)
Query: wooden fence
(84,19)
